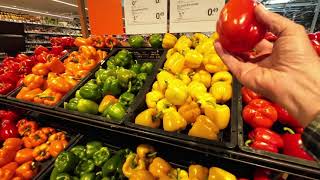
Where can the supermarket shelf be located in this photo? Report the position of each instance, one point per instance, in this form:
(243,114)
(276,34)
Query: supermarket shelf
(233,155)
(11,35)
(35,42)
(51,25)
(27,52)
(50,33)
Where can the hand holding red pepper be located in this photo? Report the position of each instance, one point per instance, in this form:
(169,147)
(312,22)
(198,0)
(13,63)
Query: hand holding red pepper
(265,139)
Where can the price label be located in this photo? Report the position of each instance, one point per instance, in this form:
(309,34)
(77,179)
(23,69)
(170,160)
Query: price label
(194,15)
(146,16)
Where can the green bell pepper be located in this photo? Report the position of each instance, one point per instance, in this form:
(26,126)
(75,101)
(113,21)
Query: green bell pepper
(88,176)
(106,178)
(75,178)
(92,147)
(78,94)
(142,77)
(124,76)
(126,99)
(147,67)
(54,174)
(113,163)
(79,151)
(101,156)
(90,91)
(136,41)
(87,106)
(123,58)
(135,68)
(138,82)
(115,111)
(155,40)
(111,63)
(104,74)
(65,162)
(63,176)
(85,166)
(72,105)
(111,86)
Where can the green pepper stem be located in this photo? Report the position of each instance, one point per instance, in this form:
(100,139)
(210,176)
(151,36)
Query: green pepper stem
(289,130)
(248,142)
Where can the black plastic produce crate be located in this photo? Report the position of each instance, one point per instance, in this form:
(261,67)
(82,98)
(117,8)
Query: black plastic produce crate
(226,138)
(157,56)
(244,129)
(14,93)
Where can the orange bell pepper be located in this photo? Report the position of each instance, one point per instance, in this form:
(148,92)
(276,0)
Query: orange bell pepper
(27,170)
(71,80)
(28,94)
(40,69)
(6,156)
(59,84)
(11,166)
(41,153)
(97,41)
(81,74)
(48,97)
(88,64)
(101,55)
(79,41)
(56,147)
(55,65)
(190,111)
(12,144)
(6,174)
(33,81)
(72,68)
(88,52)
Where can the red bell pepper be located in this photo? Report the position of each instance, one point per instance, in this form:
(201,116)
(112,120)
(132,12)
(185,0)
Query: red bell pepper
(26,66)
(97,41)
(238,28)
(9,77)
(8,115)
(21,57)
(39,49)
(259,113)
(312,36)
(261,174)
(56,50)
(111,41)
(6,87)
(8,130)
(270,37)
(248,95)
(293,145)
(265,139)
(316,46)
(285,118)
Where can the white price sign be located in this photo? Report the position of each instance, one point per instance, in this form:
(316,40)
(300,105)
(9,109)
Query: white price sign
(194,15)
(146,16)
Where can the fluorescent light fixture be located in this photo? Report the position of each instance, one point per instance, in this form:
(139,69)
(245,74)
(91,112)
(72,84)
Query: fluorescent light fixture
(69,4)
(278,1)
(36,12)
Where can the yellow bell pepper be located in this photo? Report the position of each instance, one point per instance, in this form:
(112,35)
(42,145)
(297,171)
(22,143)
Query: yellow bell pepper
(169,40)
(204,128)
(216,173)
(185,75)
(132,164)
(170,52)
(149,118)
(176,174)
(202,76)
(222,91)
(156,87)
(141,175)
(159,167)
(206,99)
(162,77)
(193,59)
(173,121)
(190,111)
(214,36)
(223,76)
(196,88)
(213,63)
(163,105)
(198,172)
(145,151)
(218,114)
(183,44)
(175,63)
(152,98)
(197,38)
(206,47)
(176,93)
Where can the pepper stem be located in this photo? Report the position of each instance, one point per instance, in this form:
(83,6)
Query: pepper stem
(289,130)
(248,142)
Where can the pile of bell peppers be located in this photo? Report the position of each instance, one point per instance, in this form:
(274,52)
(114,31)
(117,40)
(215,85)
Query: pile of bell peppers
(20,156)
(113,89)
(52,79)
(95,161)
(62,41)
(192,89)
(261,115)
(8,124)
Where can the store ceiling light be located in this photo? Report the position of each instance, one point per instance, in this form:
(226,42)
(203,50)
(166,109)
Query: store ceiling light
(277,1)
(36,12)
(69,4)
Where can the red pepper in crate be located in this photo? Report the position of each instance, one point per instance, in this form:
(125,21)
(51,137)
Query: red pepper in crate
(97,41)
(248,95)
(21,57)
(293,145)
(26,66)
(8,130)
(259,113)
(39,49)
(25,127)
(56,50)
(285,118)
(5,88)
(111,41)
(261,174)
(265,139)
(8,115)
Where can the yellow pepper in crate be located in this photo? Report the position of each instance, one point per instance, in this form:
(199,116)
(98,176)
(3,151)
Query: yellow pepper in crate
(213,63)
(206,99)
(173,121)
(176,92)
(162,77)
(169,40)
(223,76)
(144,151)
(185,75)
(214,36)
(193,59)
(190,111)
(183,44)
(164,105)
(141,175)
(216,173)
(170,52)
(219,114)
(132,164)
(149,118)
(206,47)
(176,174)
(197,38)
(204,128)
(222,91)
(175,63)
(152,98)
(159,167)
(196,88)
(198,172)
(202,76)
(156,87)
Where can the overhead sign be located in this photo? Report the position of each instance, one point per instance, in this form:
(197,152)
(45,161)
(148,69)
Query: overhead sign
(194,15)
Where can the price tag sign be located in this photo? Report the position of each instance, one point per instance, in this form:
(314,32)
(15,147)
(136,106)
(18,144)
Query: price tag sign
(146,16)
(194,15)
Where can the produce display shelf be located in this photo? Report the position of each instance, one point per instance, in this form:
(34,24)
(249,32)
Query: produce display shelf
(35,42)
(51,33)
(52,25)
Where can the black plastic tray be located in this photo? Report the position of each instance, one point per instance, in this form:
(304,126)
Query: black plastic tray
(227,137)
(14,93)
(243,130)
(141,55)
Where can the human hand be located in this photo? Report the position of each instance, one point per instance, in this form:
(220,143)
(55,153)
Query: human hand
(290,75)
